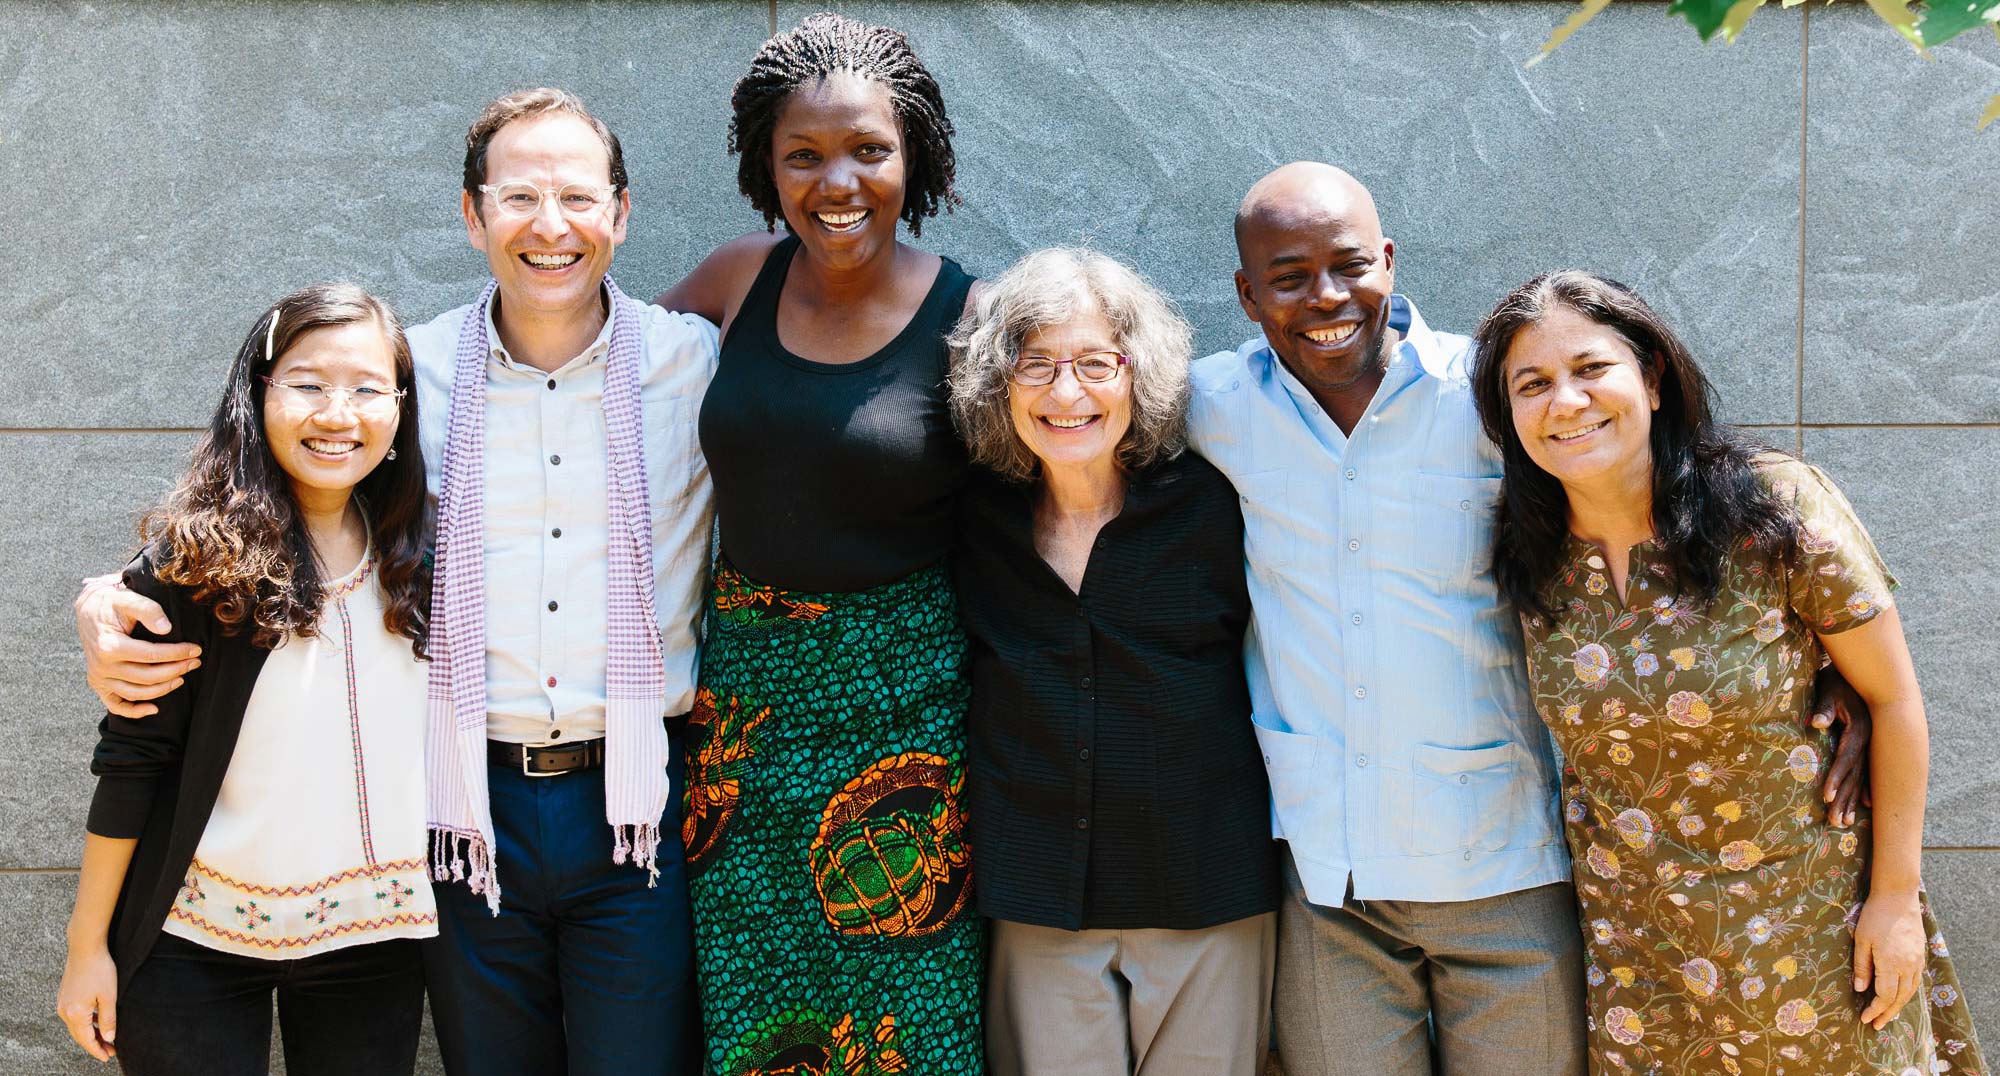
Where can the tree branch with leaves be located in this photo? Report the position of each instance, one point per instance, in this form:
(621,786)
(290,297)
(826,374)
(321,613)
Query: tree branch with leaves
(1924,25)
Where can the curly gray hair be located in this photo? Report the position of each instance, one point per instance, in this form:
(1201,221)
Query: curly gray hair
(1049,287)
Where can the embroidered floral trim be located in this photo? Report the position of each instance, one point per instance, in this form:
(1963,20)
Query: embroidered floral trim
(382,897)
(386,922)
(353,582)
(373,870)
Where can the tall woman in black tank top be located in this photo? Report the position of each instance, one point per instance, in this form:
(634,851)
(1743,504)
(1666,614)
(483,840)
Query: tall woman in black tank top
(829,873)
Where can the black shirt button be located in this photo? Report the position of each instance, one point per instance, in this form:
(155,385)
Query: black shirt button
(555,460)
(555,734)
(555,532)
(552,607)
(1084,683)
(552,384)
(1083,823)
(1083,753)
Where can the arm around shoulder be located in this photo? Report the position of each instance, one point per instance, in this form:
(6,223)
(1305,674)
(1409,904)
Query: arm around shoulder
(716,287)
(132,753)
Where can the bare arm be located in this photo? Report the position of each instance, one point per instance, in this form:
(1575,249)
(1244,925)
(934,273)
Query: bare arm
(124,671)
(717,286)
(87,1001)
(1889,938)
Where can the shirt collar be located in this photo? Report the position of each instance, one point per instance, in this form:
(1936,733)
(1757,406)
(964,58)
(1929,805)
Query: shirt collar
(590,354)
(1419,347)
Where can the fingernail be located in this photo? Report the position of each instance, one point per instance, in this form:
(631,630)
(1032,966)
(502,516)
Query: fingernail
(196,665)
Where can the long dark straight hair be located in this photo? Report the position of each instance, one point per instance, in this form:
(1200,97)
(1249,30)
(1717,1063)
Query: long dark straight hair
(231,531)
(1707,498)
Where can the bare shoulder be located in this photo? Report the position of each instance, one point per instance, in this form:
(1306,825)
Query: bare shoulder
(717,286)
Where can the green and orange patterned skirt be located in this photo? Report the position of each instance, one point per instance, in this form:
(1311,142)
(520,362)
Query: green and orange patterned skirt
(832,887)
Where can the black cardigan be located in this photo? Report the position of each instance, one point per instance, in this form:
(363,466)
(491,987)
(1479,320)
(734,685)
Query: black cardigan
(1115,780)
(158,777)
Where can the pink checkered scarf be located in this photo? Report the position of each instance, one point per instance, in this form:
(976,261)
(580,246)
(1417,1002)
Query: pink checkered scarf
(635,755)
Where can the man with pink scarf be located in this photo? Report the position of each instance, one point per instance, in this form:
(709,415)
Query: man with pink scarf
(574,512)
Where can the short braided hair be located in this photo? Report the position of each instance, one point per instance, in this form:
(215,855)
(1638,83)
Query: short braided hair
(821,45)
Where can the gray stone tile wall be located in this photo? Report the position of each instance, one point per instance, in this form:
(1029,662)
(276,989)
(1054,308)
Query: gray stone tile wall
(1811,206)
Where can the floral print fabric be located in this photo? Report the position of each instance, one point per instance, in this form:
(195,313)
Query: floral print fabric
(1717,903)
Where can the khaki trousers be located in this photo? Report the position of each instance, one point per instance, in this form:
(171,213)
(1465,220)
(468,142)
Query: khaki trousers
(1129,1002)
(1490,987)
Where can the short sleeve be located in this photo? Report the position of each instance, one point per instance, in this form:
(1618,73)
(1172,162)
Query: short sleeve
(1838,581)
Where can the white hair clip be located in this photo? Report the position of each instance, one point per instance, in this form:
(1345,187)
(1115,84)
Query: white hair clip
(270,337)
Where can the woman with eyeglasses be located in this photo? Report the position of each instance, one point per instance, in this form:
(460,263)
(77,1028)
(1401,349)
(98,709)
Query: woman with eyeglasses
(827,862)
(1117,796)
(264,831)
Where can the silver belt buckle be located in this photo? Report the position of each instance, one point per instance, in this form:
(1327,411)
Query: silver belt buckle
(526,750)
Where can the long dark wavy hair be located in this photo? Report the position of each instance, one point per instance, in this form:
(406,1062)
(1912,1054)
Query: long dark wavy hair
(231,531)
(1707,498)
(821,45)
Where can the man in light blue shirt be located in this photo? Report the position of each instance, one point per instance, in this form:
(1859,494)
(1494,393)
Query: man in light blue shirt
(1431,926)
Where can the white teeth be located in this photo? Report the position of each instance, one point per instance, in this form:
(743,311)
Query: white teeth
(551,261)
(842,221)
(331,448)
(1334,335)
(1068,423)
(1574,434)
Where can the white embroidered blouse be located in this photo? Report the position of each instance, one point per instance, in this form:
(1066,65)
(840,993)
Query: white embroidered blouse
(317,839)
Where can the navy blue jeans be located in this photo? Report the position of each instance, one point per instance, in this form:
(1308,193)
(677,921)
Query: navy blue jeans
(586,971)
(194,1011)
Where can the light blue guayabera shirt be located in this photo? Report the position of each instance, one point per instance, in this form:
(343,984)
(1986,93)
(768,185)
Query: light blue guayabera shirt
(1385,669)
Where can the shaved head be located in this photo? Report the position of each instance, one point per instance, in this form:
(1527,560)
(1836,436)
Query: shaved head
(1317,276)
(1296,192)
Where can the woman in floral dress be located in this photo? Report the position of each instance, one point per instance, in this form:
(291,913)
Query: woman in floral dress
(1679,589)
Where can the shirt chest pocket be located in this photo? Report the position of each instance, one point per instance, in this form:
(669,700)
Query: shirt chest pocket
(1269,534)
(673,452)
(1453,525)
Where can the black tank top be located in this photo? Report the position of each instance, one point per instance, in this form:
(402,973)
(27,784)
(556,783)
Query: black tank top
(833,477)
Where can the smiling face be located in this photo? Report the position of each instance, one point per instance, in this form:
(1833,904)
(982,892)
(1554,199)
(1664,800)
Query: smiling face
(1069,423)
(838,164)
(1317,275)
(328,446)
(1582,402)
(549,264)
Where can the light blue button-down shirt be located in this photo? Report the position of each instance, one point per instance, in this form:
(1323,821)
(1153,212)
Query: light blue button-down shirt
(1385,669)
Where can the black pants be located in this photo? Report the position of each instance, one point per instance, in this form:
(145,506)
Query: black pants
(194,1011)
(587,970)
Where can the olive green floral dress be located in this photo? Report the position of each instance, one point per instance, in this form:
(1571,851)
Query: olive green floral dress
(1718,905)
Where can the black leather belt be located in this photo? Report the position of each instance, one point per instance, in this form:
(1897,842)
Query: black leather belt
(546,761)
(552,760)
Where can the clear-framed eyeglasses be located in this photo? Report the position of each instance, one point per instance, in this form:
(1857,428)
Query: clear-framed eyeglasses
(1094,368)
(311,395)
(519,198)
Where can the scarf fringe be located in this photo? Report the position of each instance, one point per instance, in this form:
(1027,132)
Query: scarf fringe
(642,844)
(458,856)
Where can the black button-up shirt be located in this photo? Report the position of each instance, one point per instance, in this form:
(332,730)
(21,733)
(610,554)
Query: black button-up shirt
(1115,780)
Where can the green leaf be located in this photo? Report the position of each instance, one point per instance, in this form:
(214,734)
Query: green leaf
(1707,16)
(1902,18)
(1577,18)
(1946,19)
(1739,13)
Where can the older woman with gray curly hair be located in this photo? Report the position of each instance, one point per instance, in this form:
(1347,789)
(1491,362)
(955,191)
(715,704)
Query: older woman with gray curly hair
(1116,799)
